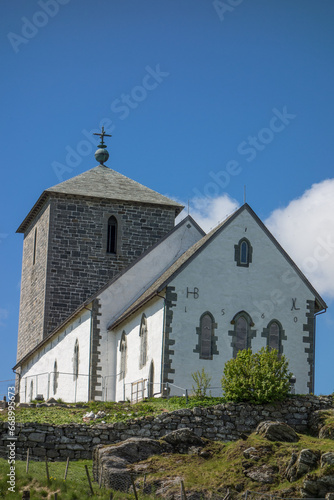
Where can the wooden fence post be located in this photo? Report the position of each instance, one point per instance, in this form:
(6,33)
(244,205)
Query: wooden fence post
(47,468)
(183,491)
(134,487)
(90,484)
(66,469)
(27,464)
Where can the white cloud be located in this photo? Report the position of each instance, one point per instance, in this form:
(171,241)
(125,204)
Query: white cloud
(208,212)
(305,229)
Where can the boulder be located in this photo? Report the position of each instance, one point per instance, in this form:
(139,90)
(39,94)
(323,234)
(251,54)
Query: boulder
(318,425)
(317,487)
(327,459)
(182,440)
(264,474)
(301,464)
(251,453)
(277,431)
(257,453)
(110,462)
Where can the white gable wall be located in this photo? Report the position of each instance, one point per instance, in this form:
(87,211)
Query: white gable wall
(39,369)
(264,290)
(154,312)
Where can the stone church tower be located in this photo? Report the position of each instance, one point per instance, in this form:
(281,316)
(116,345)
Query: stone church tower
(79,235)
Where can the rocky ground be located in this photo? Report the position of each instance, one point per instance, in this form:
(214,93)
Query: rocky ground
(274,460)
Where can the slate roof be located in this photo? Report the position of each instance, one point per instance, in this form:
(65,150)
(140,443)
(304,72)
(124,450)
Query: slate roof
(191,253)
(102,182)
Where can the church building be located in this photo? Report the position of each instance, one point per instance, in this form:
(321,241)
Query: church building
(118,302)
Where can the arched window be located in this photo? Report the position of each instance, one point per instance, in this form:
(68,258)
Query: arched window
(243,252)
(206,336)
(31,390)
(206,346)
(55,377)
(112,235)
(76,360)
(122,348)
(242,334)
(143,341)
(274,334)
(274,340)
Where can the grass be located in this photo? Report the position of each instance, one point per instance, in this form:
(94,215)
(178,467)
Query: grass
(221,468)
(225,467)
(115,412)
(75,487)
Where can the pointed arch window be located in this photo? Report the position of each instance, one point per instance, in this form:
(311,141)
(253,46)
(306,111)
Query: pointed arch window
(242,334)
(112,235)
(274,334)
(123,348)
(55,377)
(243,253)
(274,340)
(143,341)
(206,335)
(31,390)
(207,341)
(76,360)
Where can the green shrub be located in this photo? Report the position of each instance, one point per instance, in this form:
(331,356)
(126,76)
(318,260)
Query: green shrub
(262,377)
(202,381)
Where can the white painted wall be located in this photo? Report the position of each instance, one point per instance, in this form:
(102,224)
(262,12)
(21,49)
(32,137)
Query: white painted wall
(155,318)
(265,288)
(113,300)
(129,286)
(39,369)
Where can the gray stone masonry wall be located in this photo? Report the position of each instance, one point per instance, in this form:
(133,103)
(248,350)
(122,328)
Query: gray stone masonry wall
(71,261)
(33,284)
(78,262)
(225,422)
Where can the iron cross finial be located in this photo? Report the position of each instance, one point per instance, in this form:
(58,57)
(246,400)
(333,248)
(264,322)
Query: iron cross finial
(102,135)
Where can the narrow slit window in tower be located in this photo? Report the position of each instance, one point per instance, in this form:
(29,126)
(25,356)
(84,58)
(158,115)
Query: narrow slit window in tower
(112,235)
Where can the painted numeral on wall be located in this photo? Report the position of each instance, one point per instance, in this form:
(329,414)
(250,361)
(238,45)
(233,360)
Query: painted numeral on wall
(294,305)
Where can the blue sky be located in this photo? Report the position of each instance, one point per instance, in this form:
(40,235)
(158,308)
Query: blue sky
(202,98)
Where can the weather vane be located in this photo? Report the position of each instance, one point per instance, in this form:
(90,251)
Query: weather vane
(102,154)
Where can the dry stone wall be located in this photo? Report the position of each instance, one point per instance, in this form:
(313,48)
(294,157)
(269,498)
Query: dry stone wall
(226,422)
